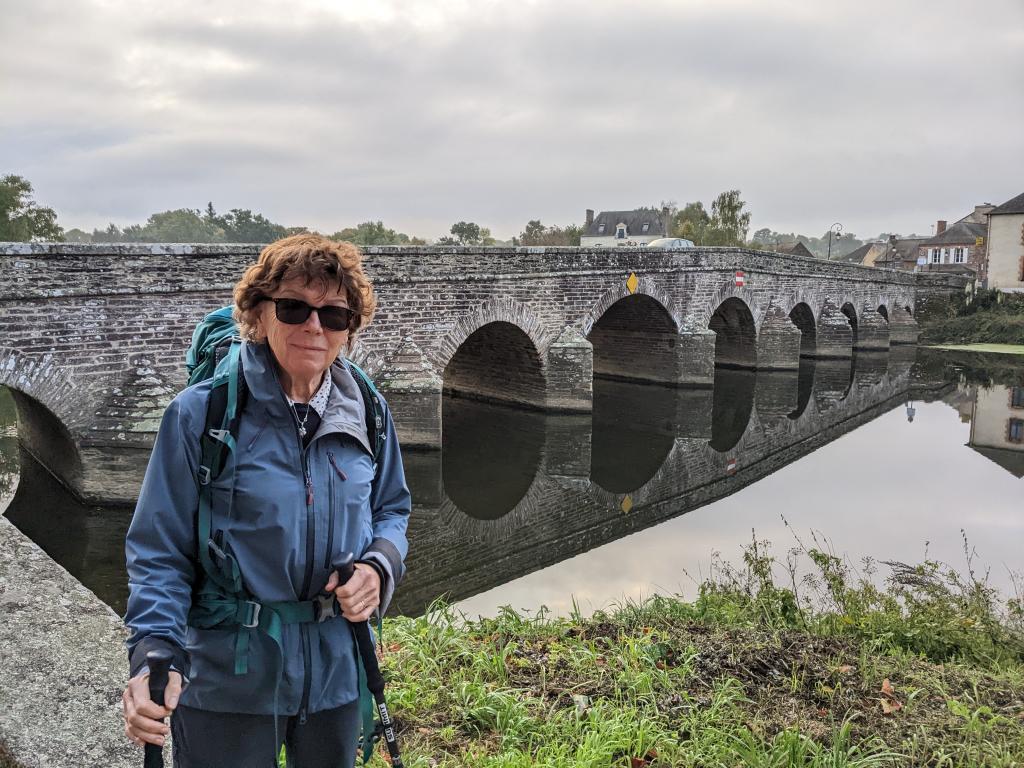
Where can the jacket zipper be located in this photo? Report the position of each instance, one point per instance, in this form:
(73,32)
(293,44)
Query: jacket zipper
(330,507)
(308,578)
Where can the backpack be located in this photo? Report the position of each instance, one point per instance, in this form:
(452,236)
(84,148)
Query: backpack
(221,599)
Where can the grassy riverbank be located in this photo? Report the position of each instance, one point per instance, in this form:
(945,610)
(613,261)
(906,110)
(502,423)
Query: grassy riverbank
(992,318)
(824,671)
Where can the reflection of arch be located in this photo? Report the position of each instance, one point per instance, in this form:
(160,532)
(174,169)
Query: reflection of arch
(733,403)
(851,315)
(636,338)
(735,334)
(487,476)
(497,362)
(804,386)
(634,428)
(803,318)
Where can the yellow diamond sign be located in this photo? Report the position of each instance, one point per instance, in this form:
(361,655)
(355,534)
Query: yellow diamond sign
(632,282)
(627,504)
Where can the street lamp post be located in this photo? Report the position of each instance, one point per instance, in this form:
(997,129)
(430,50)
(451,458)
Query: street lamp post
(836,228)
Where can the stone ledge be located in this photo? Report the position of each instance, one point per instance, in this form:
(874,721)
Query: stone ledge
(63,665)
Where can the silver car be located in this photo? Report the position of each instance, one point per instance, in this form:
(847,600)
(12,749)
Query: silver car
(671,243)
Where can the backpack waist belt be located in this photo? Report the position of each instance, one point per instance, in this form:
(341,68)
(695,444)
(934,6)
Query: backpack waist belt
(214,609)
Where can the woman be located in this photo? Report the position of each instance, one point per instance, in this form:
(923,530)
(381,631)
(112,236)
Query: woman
(300,489)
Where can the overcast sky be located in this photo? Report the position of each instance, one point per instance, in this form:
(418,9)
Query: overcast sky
(882,115)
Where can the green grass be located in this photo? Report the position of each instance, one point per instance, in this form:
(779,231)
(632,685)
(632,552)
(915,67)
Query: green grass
(826,670)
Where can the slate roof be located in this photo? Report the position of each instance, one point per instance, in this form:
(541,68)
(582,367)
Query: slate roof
(855,257)
(961,233)
(634,221)
(1016,205)
(906,251)
(1011,461)
(795,249)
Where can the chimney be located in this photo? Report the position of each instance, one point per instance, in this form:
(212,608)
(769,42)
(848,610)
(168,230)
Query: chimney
(940,226)
(590,216)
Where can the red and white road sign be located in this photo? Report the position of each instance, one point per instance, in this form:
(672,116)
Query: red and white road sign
(741,278)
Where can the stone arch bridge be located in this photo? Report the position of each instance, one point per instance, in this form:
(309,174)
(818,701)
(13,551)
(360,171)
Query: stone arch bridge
(92,337)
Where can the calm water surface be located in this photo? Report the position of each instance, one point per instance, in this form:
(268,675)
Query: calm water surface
(877,457)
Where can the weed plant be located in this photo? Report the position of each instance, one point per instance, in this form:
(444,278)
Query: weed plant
(829,669)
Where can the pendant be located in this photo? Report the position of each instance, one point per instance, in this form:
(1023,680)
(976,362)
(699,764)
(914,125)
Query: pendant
(302,431)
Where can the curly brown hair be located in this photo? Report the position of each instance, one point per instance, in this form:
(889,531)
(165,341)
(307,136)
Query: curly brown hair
(312,259)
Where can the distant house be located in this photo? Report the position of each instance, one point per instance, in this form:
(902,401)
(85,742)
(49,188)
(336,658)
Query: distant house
(997,426)
(794,249)
(867,255)
(636,227)
(900,253)
(960,247)
(1005,246)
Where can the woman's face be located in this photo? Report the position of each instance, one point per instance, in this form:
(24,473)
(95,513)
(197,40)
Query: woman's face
(306,350)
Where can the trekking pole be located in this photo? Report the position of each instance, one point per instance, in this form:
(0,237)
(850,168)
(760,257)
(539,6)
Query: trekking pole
(374,679)
(159,663)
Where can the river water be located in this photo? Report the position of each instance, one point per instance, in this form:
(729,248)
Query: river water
(893,457)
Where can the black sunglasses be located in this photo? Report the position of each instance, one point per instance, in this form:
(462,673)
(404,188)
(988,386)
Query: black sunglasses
(296,312)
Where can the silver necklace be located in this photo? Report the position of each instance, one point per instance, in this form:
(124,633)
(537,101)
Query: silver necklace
(302,424)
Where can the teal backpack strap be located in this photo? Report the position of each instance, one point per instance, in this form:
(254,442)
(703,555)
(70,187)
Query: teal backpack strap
(373,408)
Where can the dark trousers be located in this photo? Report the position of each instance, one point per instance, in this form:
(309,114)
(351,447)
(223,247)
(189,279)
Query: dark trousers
(204,739)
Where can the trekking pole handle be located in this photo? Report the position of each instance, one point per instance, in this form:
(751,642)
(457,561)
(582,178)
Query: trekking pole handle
(159,663)
(345,565)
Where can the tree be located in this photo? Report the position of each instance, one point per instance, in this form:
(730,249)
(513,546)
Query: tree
(375,233)
(729,222)
(536,233)
(244,226)
(468,233)
(22,220)
(692,222)
(76,235)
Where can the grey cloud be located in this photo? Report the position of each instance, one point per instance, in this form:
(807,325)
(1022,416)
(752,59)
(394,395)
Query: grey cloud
(514,112)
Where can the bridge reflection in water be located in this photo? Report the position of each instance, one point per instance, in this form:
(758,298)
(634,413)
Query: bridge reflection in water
(514,491)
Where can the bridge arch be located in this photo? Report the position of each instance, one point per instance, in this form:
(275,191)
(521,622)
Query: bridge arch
(735,328)
(850,311)
(42,396)
(498,362)
(636,338)
(803,318)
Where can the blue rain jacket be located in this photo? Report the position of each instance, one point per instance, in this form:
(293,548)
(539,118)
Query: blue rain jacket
(284,548)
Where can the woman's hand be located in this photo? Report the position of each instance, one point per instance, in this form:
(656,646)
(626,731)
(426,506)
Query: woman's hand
(142,718)
(360,596)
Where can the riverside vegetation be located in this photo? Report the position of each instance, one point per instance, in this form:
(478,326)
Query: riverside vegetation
(992,318)
(829,669)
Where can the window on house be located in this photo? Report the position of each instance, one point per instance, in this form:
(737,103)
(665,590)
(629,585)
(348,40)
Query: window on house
(1017,397)
(600,229)
(647,225)
(1015,430)
(936,256)
(958,255)
(620,233)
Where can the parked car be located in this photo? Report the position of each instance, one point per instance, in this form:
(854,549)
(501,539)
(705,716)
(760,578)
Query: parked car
(671,243)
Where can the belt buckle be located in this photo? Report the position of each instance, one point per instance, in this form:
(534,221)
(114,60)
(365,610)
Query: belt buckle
(326,607)
(255,620)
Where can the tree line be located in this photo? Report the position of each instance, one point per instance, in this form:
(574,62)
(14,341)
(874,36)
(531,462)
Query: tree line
(724,223)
